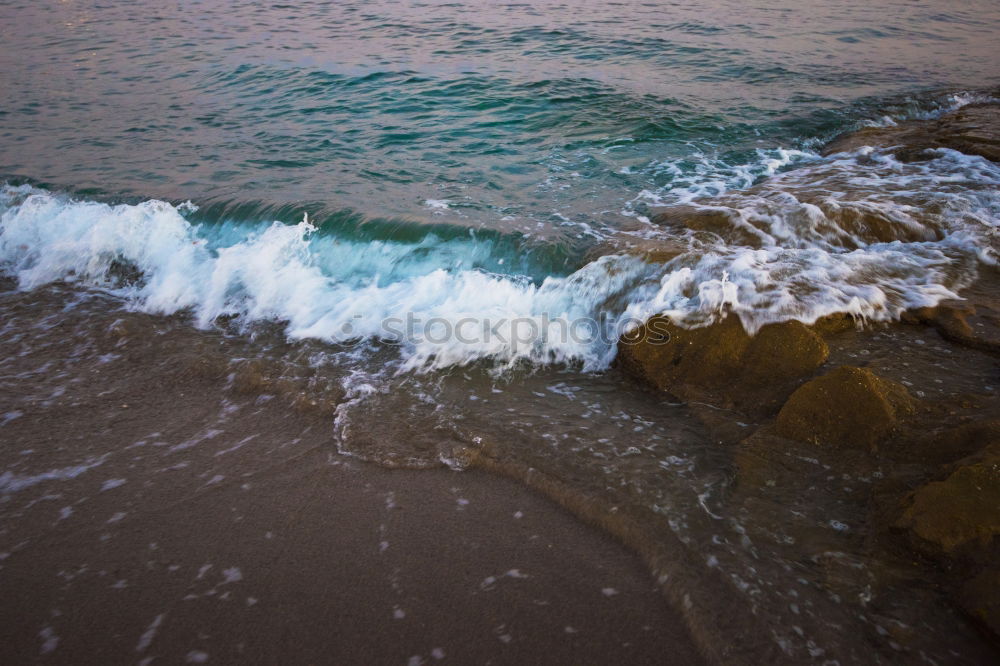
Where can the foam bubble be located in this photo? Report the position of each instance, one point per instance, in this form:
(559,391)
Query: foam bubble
(859,233)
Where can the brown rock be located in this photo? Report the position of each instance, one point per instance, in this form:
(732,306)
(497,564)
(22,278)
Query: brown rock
(131,328)
(722,363)
(845,574)
(713,220)
(653,251)
(847,408)
(960,442)
(973,129)
(203,363)
(974,326)
(850,220)
(789,350)
(879,137)
(960,515)
(834,323)
(765,460)
(871,224)
(255,376)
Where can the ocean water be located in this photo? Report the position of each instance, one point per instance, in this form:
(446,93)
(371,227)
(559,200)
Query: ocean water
(450,204)
(472,159)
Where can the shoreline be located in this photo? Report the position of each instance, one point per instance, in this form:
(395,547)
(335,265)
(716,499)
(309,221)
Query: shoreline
(235,532)
(827,450)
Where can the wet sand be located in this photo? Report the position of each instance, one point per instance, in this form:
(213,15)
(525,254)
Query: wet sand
(146,515)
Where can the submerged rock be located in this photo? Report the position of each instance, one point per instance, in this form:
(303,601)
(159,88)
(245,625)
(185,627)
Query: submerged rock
(722,363)
(959,515)
(971,325)
(818,204)
(650,250)
(204,362)
(973,129)
(312,393)
(956,443)
(980,598)
(720,220)
(747,218)
(766,460)
(846,408)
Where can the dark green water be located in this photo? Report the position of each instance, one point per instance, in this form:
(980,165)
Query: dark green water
(516,114)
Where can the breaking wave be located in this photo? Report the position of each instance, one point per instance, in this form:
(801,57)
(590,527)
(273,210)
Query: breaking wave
(860,233)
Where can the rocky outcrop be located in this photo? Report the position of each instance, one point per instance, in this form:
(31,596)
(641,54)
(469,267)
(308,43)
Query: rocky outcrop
(956,521)
(851,222)
(967,324)
(722,363)
(922,478)
(959,516)
(847,408)
(650,250)
(719,220)
(973,129)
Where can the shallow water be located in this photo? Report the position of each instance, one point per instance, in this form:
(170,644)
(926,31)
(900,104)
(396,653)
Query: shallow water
(299,175)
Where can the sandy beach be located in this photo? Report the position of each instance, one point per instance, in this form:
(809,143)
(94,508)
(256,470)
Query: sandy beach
(146,516)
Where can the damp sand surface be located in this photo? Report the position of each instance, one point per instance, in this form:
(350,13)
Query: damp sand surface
(146,513)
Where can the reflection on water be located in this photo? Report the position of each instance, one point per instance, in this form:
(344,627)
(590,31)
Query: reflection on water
(515,114)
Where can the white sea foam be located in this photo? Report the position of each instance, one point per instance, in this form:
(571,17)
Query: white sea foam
(281,272)
(952,102)
(785,253)
(12,483)
(700,176)
(808,242)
